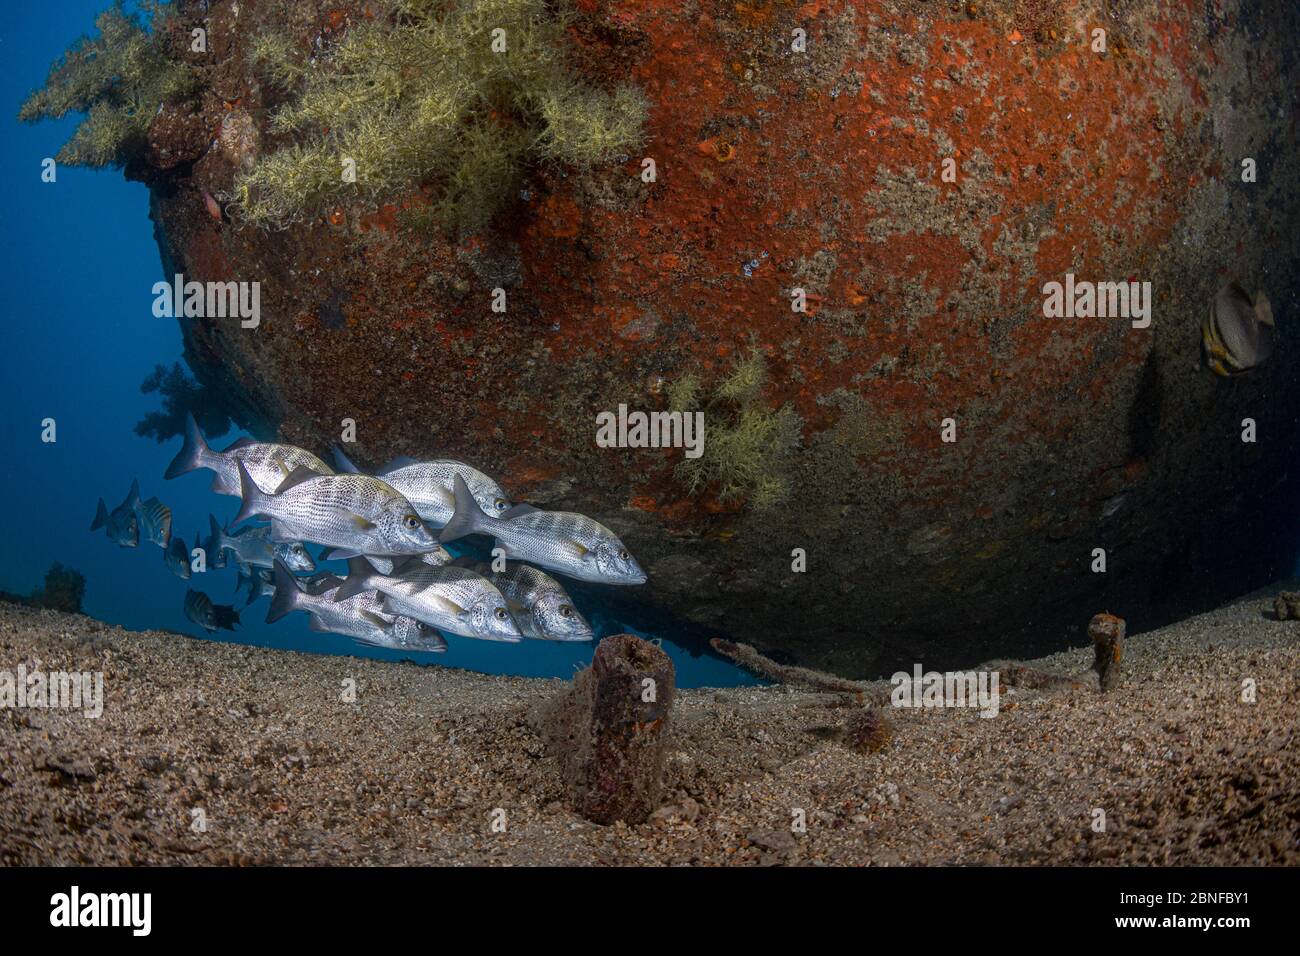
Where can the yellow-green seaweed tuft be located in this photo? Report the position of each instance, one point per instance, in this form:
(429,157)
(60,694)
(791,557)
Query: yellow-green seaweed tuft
(119,79)
(461,96)
(746,444)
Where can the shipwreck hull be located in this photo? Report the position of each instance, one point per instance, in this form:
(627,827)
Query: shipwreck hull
(823,171)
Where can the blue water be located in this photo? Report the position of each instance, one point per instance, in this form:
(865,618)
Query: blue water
(80,337)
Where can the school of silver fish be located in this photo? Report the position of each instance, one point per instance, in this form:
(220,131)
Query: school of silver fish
(404,590)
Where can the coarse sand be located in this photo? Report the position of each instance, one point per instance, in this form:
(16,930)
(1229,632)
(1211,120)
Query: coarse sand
(212,753)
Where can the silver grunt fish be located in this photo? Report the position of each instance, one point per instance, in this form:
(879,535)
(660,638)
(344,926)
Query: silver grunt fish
(434,559)
(355,514)
(452,599)
(360,617)
(253,547)
(540,605)
(430,487)
(562,541)
(268,462)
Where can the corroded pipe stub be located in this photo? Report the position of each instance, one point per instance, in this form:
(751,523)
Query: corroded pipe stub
(610,728)
(1107,633)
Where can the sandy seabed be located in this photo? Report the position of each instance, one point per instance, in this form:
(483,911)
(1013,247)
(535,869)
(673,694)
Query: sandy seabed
(419,769)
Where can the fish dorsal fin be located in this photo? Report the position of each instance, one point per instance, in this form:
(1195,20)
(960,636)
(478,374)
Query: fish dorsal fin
(360,522)
(343,462)
(295,477)
(448,605)
(324,582)
(517,510)
(401,461)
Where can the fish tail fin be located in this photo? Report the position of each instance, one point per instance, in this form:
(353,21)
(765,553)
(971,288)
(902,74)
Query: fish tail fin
(192,453)
(469,517)
(287,593)
(101,516)
(360,572)
(343,462)
(227,616)
(216,540)
(255,501)
(1264,309)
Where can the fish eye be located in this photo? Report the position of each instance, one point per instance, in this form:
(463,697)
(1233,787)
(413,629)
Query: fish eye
(412,522)
(500,613)
(297,549)
(566,611)
(624,555)
(500,504)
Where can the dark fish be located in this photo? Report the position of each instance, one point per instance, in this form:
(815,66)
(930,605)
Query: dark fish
(177,558)
(155,521)
(213,560)
(200,609)
(121,524)
(257,582)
